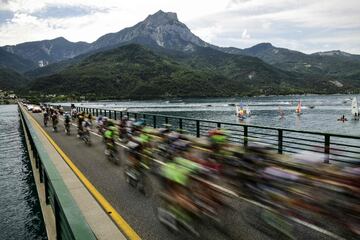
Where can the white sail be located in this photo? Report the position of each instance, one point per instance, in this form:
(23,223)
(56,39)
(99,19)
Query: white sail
(354,107)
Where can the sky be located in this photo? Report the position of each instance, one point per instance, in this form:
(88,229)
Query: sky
(303,25)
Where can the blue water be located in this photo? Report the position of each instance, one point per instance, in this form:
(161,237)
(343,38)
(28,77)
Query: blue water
(265,111)
(20,214)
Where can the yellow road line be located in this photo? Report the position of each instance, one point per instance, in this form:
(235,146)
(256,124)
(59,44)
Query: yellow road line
(116,217)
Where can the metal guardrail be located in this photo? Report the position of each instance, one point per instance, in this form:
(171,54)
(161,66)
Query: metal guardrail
(70,223)
(334,147)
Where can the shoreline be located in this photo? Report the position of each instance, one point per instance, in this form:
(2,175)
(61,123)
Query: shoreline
(8,102)
(201,98)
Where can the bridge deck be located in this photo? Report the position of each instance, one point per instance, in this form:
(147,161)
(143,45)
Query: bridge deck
(138,211)
(99,222)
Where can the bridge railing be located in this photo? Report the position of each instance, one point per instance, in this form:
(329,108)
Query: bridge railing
(332,147)
(69,221)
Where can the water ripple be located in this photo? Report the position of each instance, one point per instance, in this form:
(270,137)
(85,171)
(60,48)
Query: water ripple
(20,215)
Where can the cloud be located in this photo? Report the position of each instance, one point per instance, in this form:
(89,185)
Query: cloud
(245,34)
(300,25)
(105,16)
(65,11)
(236,2)
(304,25)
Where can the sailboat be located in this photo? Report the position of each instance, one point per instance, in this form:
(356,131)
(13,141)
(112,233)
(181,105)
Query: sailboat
(242,112)
(298,109)
(355,109)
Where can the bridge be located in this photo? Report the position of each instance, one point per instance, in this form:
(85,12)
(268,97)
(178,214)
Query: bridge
(87,197)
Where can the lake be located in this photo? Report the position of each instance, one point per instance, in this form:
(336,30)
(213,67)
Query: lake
(20,213)
(265,111)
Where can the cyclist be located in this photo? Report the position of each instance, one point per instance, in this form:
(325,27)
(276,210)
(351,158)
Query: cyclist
(73,113)
(99,123)
(90,118)
(46,117)
(138,142)
(110,136)
(218,141)
(86,124)
(55,120)
(80,123)
(67,121)
(137,127)
(85,130)
(176,183)
(103,124)
(61,110)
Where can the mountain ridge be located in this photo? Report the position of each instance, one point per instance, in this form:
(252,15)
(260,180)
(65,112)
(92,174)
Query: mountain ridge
(135,71)
(331,63)
(261,69)
(15,62)
(46,52)
(11,80)
(161,29)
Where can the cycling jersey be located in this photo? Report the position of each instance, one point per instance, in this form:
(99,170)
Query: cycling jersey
(109,134)
(179,170)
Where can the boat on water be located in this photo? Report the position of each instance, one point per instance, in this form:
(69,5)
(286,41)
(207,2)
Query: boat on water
(355,109)
(242,112)
(298,109)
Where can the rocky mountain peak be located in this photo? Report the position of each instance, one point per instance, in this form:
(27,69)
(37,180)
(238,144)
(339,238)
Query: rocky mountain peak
(258,49)
(162,29)
(60,40)
(263,46)
(161,18)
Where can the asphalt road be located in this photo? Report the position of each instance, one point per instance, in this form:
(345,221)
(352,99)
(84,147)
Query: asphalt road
(139,211)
